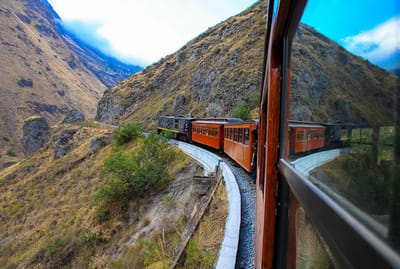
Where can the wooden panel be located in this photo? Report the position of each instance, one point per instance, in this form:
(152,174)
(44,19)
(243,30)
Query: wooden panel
(206,138)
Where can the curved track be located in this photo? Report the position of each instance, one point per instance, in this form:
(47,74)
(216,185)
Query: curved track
(245,255)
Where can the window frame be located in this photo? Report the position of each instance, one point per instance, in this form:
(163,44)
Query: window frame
(280,187)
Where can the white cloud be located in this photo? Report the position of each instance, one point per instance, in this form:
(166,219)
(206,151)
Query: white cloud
(148,30)
(376,44)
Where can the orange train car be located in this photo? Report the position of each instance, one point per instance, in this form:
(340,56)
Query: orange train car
(305,137)
(208,133)
(240,143)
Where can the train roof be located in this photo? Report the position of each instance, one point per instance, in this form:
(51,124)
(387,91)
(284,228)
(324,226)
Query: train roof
(176,117)
(243,122)
(220,119)
(210,122)
(305,125)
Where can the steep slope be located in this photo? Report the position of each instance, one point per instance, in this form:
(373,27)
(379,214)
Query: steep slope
(39,73)
(222,68)
(208,76)
(49,217)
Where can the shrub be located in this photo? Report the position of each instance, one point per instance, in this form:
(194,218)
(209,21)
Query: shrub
(133,175)
(114,192)
(127,133)
(167,134)
(87,238)
(11,153)
(197,257)
(55,246)
(242,111)
(254,99)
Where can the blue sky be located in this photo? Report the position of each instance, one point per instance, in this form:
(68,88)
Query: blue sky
(143,31)
(368,28)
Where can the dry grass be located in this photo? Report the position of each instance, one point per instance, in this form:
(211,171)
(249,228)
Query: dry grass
(206,241)
(47,216)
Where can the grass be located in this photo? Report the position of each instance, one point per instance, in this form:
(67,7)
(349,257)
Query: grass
(49,219)
(205,243)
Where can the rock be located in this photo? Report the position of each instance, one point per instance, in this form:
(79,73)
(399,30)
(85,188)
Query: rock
(110,108)
(99,142)
(62,144)
(214,110)
(22,82)
(180,101)
(74,116)
(35,133)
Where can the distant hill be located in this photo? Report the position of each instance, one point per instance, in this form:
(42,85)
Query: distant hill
(44,71)
(222,67)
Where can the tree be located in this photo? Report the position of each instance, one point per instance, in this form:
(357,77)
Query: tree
(242,111)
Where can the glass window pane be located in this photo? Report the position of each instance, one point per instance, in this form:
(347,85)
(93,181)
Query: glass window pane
(344,118)
(246,136)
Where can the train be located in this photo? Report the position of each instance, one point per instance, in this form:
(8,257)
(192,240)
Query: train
(237,139)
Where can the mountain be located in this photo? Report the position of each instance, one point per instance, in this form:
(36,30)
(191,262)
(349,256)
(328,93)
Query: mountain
(108,69)
(208,76)
(330,84)
(222,67)
(45,71)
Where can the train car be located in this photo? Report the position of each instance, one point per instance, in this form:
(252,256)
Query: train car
(179,126)
(306,137)
(240,142)
(209,133)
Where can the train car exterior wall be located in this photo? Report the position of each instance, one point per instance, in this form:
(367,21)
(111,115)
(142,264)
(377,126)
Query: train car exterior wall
(208,133)
(304,138)
(239,143)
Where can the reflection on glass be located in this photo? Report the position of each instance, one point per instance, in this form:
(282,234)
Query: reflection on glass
(344,120)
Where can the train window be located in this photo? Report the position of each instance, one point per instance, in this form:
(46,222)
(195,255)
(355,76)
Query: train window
(246,136)
(240,135)
(300,136)
(215,132)
(342,78)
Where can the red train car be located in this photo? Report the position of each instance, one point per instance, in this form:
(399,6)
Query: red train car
(304,137)
(208,133)
(240,143)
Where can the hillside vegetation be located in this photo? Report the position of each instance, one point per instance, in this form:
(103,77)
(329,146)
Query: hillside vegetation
(66,209)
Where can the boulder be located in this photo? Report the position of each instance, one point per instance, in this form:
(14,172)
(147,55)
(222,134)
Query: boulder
(74,116)
(61,144)
(35,133)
